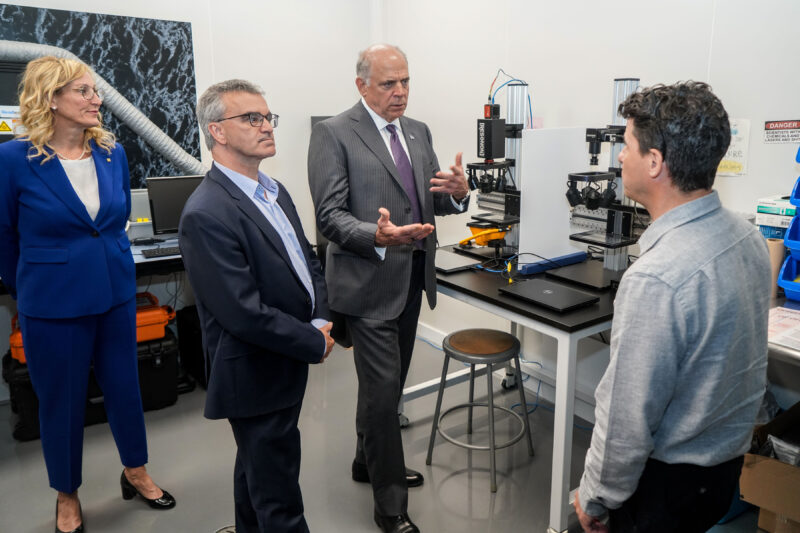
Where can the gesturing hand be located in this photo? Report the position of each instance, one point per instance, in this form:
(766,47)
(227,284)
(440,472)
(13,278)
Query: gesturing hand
(453,183)
(389,234)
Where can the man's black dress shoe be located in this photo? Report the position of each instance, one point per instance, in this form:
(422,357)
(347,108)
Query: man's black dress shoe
(396,524)
(361,474)
(78,529)
(166,501)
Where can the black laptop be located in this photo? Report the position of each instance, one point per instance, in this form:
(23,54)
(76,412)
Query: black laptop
(553,296)
(449,262)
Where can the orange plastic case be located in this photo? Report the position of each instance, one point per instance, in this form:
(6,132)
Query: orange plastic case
(15,341)
(151,318)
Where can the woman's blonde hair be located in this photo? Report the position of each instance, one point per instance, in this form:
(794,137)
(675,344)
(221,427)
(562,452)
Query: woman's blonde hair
(43,78)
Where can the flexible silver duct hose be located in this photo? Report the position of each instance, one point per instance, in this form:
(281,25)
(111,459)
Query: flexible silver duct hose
(118,104)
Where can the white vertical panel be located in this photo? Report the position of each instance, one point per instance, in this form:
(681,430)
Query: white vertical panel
(548,156)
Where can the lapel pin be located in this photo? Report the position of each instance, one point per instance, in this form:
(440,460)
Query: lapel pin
(108,159)
(410,136)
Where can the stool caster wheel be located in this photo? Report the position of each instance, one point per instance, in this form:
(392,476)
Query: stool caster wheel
(509,383)
(404,422)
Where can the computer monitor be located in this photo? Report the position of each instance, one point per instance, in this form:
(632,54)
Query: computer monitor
(167,196)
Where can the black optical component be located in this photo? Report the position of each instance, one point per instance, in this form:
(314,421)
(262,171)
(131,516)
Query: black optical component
(574,196)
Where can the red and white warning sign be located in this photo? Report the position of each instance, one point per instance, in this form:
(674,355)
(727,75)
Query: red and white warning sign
(782,131)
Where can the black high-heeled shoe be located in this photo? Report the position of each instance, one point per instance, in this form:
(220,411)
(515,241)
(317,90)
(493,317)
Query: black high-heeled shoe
(78,529)
(166,501)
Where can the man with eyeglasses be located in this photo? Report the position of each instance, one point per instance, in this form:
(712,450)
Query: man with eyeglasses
(262,303)
(676,407)
(377,186)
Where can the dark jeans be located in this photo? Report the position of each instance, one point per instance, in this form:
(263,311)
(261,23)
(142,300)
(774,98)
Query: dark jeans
(678,497)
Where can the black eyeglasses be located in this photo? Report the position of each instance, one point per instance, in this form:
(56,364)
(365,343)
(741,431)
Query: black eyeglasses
(88,93)
(256,119)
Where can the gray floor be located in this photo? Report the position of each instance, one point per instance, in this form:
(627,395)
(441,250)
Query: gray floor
(193,458)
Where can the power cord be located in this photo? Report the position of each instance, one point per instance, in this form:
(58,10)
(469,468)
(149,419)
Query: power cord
(536,403)
(512,79)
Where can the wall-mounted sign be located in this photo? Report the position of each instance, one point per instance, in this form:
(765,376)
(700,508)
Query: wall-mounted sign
(735,161)
(782,132)
(9,121)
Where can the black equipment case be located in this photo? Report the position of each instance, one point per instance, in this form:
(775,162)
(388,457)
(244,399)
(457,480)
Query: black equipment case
(158,371)
(158,383)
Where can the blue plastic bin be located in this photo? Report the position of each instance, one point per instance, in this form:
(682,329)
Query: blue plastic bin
(792,238)
(794,199)
(786,278)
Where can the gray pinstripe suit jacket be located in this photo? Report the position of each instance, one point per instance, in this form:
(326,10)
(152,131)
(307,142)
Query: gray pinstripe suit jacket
(352,174)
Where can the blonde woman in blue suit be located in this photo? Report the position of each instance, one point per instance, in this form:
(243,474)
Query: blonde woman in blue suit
(64,256)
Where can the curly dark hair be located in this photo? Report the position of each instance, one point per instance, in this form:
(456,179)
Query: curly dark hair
(687,124)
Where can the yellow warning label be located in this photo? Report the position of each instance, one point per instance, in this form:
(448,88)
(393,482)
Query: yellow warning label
(4,126)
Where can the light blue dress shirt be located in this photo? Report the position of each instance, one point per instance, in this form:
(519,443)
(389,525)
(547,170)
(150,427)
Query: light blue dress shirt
(264,194)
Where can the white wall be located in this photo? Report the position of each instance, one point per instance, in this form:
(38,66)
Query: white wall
(303,53)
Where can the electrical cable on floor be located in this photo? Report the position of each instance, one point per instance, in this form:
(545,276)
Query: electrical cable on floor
(149,282)
(429,343)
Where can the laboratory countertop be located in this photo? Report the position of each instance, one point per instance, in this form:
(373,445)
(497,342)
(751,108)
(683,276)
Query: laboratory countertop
(485,286)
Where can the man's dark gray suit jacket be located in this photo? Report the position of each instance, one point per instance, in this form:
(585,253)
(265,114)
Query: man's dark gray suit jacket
(351,174)
(254,310)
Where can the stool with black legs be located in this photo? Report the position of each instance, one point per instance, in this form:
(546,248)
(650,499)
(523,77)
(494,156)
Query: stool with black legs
(481,347)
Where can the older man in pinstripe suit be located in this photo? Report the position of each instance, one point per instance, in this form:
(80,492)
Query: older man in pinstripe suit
(376,185)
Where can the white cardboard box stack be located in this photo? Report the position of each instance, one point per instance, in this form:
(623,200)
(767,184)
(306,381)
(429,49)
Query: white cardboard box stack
(773,215)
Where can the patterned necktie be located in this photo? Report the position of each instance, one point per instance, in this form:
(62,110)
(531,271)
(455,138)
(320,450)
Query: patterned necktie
(405,171)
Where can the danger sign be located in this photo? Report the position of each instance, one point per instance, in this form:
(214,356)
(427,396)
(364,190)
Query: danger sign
(4,127)
(782,131)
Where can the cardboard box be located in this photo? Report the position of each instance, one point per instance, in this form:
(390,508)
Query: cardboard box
(776,221)
(771,485)
(773,523)
(776,205)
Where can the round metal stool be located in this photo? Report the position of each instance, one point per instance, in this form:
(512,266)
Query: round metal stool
(481,347)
